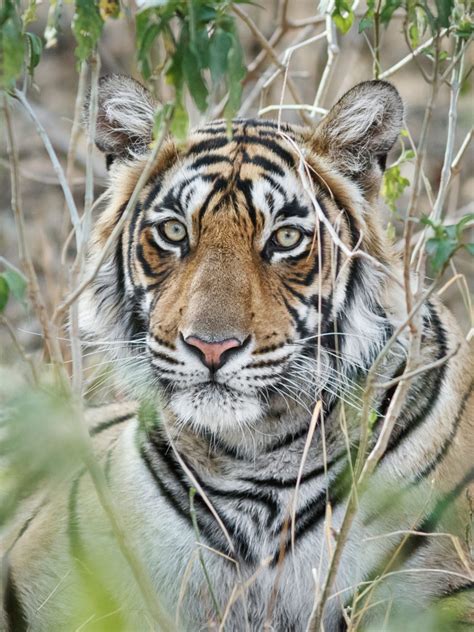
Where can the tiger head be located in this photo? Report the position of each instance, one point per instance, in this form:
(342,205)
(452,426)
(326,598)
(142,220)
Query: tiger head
(233,284)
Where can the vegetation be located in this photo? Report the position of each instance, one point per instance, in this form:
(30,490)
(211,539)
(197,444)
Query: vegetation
(196,57)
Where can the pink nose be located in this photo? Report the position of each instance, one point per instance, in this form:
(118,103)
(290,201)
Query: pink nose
(211,352)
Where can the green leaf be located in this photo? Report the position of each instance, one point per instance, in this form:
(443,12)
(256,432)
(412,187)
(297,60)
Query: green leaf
(4,293)
(35,48)
(388,9)
(194,80)
(87,26)
(464,223)
(393,186)
(440,252)
(343,15)
(12,45)
(367,20)
(17,283)
(30,13)
(445,8)
(180,122)
(147,30)
(236,72)
(219,47)
(373,418)
(465,28)
(470,249)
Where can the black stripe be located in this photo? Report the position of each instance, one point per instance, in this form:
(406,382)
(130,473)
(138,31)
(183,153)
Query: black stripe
(293,209)
(262,497)
(299,323)
(207,145)
(219,185)
(166,493)
(428,469)
(306,300)
(208,527)
(266,164)
(458,590)
(209,159)
(165,357)
(15,615)
(273,146)
(308,518)
(245,186)
(430,391)
(105,425)
(279,483)
(147,269)
(155,190)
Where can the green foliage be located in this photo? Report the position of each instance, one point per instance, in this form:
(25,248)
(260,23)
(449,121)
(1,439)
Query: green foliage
(343,15)
(35,48)
(4,293)
(87,27)
(419,15)
(447,240)
(205,53)
(39,442)
(13,283)
(12,44)
(394,184)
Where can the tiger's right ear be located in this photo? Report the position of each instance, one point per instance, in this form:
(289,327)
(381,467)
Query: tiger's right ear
(124,119)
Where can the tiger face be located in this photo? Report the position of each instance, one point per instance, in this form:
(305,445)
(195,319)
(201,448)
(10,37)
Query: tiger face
(234,271)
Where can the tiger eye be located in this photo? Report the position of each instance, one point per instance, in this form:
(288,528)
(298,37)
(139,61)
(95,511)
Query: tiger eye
(287,237)
(173,230)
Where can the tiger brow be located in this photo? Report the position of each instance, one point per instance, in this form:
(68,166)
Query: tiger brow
(292,209)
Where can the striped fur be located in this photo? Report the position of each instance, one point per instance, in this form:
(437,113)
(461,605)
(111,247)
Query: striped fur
(312,321)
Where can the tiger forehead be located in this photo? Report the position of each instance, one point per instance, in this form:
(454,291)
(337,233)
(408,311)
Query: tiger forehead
(253,170)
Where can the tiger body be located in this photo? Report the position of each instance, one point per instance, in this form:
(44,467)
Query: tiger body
(305,325)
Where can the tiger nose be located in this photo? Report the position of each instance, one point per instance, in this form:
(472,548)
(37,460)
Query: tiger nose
(212,354)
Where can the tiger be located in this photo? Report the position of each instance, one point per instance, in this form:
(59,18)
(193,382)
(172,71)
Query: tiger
(246,300)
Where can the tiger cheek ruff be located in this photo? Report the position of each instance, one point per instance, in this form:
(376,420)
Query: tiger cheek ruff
(234,285)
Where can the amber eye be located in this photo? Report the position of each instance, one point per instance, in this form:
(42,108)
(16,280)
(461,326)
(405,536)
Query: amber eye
(172,230)
(287,237)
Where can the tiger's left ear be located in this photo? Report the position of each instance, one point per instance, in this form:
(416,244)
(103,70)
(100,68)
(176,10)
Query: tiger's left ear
(359,131)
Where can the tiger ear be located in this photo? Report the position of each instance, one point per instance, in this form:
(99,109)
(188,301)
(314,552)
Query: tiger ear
(359,131)
(124,118)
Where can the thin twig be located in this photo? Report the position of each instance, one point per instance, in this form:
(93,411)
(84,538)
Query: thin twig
(403,62)
(273,55)
(420,370)
(54,161)
(49,332)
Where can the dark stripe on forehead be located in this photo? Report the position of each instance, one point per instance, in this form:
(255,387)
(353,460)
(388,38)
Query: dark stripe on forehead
(245,186)
(219,185)
(218,142)
(210,159)
(265,163)
(206,146)
(273,146)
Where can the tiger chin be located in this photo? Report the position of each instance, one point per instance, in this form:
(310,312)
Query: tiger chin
(252,284)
